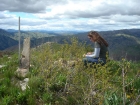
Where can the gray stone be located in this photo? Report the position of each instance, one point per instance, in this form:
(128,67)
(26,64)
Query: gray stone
(23,69)
(22,72)
(25,57)
(24,84)
(1,66)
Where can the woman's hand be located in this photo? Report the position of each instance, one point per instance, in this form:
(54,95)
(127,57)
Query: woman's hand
(84,55)
(89,53)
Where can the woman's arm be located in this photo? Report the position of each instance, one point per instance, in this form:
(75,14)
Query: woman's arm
(95,54)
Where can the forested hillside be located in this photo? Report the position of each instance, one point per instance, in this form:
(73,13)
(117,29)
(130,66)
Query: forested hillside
(9,39)
(6,40)
(32,35)
(122,43)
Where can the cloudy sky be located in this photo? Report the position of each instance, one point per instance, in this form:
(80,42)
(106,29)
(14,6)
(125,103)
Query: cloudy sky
(81,15)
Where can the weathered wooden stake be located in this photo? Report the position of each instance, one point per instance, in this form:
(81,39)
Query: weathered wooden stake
(19,41)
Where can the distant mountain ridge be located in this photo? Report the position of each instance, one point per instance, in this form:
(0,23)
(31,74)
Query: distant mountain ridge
(6,40)
(11,30)
(4,33)
(122,43)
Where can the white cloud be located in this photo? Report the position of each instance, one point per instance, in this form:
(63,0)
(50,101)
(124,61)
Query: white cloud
(70,14)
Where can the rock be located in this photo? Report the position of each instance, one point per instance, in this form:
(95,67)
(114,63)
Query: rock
(21,72)
(23,69)
(25,58)
(1,66)
(24,84)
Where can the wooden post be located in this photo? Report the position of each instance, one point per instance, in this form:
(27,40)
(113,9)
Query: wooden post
(123,81)
(19,41)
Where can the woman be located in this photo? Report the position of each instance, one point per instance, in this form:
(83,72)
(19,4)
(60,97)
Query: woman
(100,49)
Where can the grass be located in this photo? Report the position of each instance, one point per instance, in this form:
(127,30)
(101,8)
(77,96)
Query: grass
(58,77)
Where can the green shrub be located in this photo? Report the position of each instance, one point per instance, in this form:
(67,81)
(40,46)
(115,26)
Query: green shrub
(3,90)
(53,81)
(47,97)
(59,83)
(7,100)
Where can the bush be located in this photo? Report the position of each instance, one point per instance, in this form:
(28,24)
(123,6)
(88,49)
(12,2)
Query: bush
(58,77)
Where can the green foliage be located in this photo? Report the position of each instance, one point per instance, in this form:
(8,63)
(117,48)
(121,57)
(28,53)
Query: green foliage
(112,99)
(7,100)
(22,98)
(58,83)
(3,90)
(36,84)
(58,77)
